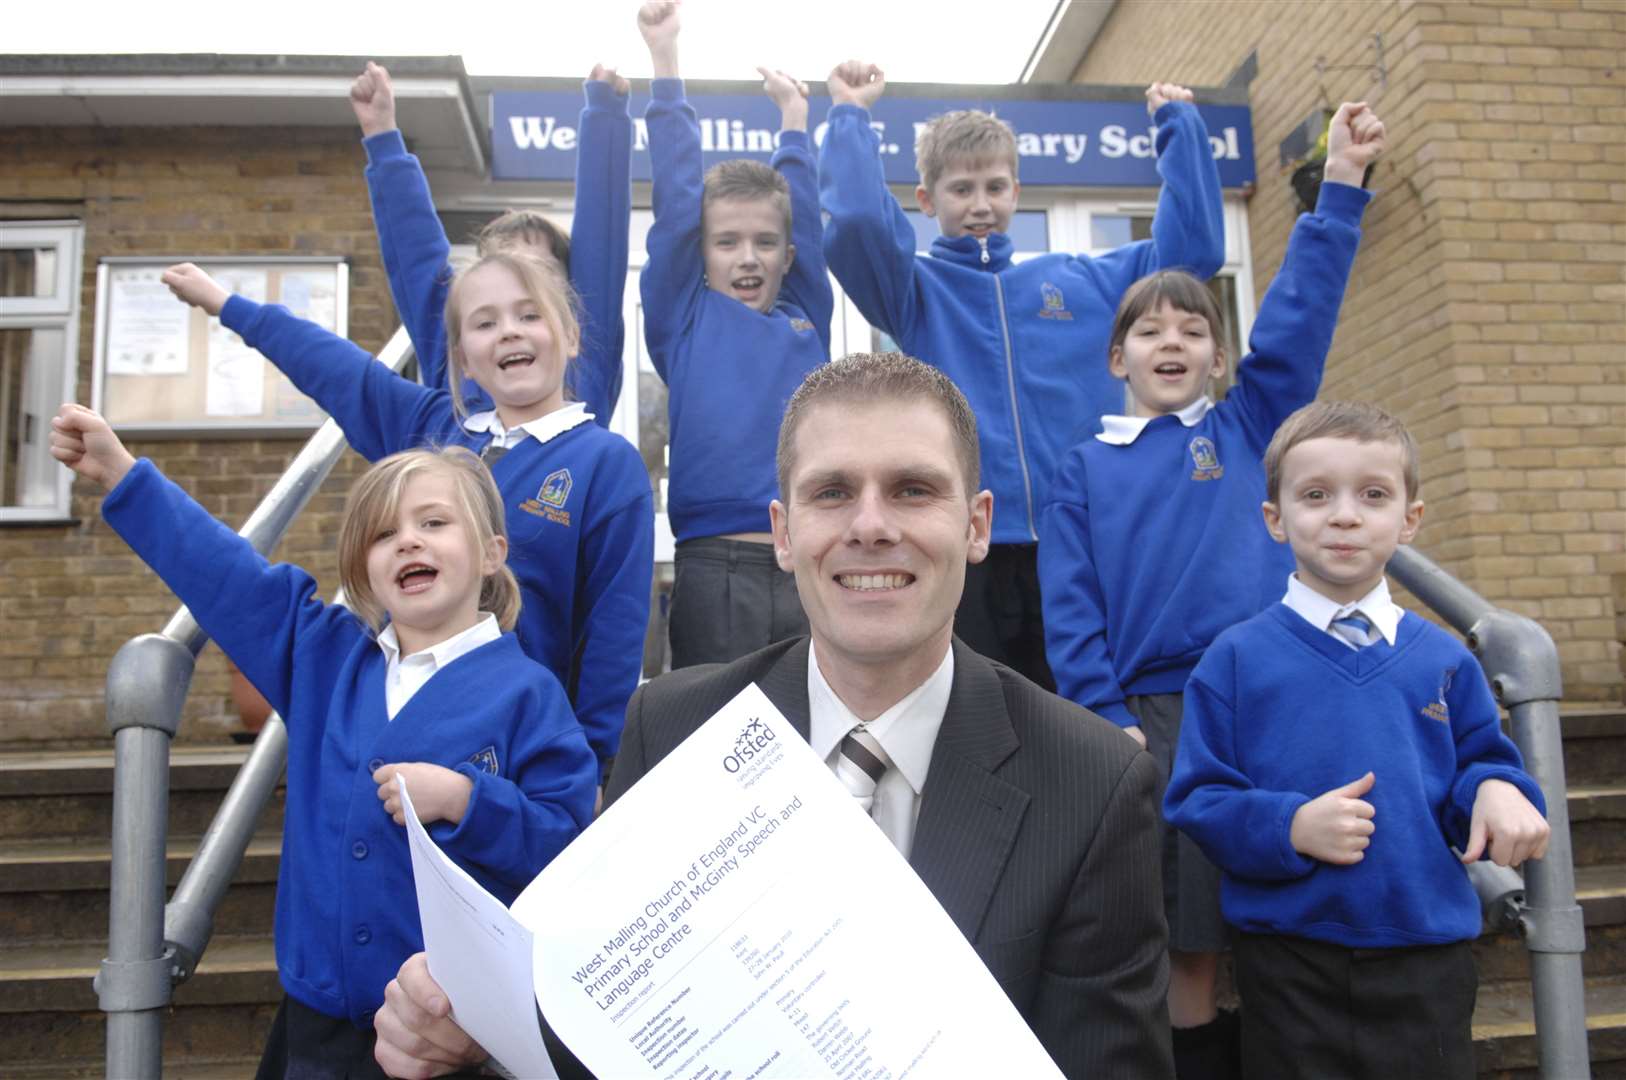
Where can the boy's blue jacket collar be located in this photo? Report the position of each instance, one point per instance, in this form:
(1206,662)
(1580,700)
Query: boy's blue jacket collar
(966,251)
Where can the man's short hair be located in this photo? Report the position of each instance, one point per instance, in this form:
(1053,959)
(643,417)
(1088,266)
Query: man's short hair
(744,179)
(865,378)
(1341,420)
(964,135)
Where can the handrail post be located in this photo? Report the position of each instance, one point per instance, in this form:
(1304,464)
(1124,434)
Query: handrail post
(1521,662)
(146,687)
(189,917)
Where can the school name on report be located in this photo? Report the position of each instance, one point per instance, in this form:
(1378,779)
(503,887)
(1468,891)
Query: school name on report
(722,135)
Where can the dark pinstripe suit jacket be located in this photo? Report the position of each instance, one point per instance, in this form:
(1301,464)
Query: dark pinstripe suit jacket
(1037,834)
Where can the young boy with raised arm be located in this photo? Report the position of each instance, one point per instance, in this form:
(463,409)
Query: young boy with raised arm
(1152,544)
(1021,340)
(416,250)
(1335,749)
(737,310)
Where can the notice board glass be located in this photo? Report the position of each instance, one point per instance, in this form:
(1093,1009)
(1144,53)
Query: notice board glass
(165,368)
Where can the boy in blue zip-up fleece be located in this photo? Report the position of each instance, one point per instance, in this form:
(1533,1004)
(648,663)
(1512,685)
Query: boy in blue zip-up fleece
(1020,340)
(416,250)
(737,310)
(1335,749)
(1151,544)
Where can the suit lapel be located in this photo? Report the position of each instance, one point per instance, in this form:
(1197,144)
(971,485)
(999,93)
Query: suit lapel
(969,818)
(785,684)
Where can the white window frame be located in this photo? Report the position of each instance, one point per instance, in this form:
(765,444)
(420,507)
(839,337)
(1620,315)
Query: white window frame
(59,310)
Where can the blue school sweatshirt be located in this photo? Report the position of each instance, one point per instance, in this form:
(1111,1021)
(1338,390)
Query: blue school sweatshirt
(1026,342)
(581,530)
(347,915)
(415,251)
(729,369)
(1147,551)
(1279,712)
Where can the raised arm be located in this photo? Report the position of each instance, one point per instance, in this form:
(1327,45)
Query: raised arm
(1075,617)
(1188,230)
(673,278)
(599,239)
(410,236)
(807,282)
(868,241)
(617,567)
(379,412)
(1293,331)
(265,617)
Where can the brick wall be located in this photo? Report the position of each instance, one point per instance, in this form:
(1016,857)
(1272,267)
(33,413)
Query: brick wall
(1488,306)
(74,593)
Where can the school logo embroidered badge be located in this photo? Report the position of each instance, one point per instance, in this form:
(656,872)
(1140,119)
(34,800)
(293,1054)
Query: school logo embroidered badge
(1055,305)
(485,760)
(555,489)
(1438,709)
(550,498)
(801,325)
(1206,459)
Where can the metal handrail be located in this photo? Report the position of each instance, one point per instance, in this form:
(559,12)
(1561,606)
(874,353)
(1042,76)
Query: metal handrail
(150,949)
(1521,661)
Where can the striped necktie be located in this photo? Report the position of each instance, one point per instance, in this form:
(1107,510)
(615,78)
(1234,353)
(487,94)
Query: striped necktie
(860,765)
(1354,629)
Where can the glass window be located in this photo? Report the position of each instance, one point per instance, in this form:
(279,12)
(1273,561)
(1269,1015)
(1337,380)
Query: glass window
(39,331)
(1108,231)
(27,271)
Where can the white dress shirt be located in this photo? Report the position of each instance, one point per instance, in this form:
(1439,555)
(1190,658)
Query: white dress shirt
(1123,430)
(907,732)
(541,429)
(1320,611)
(406,675)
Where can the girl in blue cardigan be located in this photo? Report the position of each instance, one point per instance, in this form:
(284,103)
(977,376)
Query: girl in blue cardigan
(420,679)
(577,497)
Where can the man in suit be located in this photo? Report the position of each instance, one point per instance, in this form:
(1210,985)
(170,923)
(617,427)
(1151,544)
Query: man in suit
(1031,820)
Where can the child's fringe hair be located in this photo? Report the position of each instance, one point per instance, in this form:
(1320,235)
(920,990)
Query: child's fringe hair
(964,135)
(374,502)
(546,286)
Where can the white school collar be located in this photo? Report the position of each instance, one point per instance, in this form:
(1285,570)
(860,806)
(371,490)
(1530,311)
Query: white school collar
(1123,430)
(548,426)
(1320,611)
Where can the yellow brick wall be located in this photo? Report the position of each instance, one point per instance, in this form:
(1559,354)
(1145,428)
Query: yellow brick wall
(1488,305)
(74,593)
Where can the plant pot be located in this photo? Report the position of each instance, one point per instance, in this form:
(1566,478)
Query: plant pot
(1306,181)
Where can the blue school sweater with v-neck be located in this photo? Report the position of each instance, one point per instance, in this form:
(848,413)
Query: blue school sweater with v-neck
(581,516)
(347,913)
(1279,712)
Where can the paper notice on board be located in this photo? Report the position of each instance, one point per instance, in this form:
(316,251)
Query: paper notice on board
(147,326)
(236,372)
(310,295)
(478,954)
(736,913)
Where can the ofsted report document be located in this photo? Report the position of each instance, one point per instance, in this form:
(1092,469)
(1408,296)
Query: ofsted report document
(736,915)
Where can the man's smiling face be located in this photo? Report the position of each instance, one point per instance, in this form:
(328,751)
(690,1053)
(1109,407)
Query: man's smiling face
(877,525)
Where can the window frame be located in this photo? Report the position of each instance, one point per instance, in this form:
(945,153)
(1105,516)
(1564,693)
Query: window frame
(59,311)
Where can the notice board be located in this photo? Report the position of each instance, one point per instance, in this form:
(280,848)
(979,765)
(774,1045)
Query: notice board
(163,367)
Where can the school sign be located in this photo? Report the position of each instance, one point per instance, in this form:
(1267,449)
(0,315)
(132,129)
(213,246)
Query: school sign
(1075,143)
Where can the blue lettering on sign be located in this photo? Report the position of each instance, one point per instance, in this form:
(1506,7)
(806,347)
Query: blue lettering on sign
(1072,143)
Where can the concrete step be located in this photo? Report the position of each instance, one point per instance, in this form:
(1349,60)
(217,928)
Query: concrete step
(1601,891)
(50,1025)
(1505,1033)
(57,794)
(57,890)
(1594,744)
